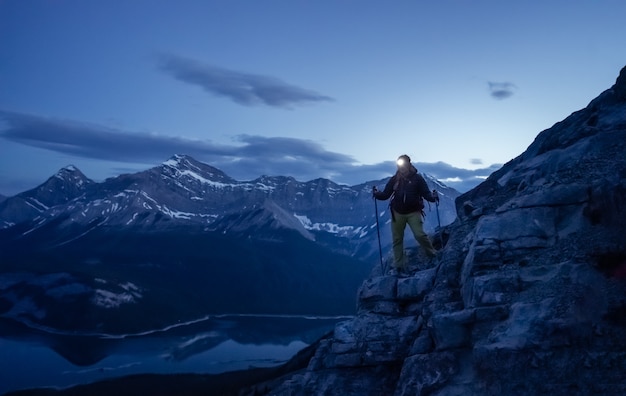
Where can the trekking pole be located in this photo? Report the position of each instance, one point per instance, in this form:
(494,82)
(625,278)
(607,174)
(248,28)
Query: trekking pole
(438,218)
(380,249)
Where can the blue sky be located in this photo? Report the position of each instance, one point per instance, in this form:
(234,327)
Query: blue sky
(335,89)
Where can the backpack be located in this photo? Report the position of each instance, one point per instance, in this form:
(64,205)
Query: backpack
(407,200)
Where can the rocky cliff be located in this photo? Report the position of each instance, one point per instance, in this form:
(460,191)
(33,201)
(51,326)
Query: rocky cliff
(528,296)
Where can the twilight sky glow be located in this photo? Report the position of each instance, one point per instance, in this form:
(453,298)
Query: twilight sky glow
(335,89)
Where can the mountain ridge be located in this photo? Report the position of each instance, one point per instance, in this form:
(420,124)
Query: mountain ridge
(183,191)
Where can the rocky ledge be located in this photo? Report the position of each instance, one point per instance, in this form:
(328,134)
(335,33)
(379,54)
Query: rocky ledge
(528,296)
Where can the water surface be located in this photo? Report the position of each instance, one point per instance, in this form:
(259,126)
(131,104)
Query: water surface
(38,357)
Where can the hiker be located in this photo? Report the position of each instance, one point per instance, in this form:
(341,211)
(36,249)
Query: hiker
(406,189)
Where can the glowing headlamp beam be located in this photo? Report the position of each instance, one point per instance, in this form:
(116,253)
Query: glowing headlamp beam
(400,161)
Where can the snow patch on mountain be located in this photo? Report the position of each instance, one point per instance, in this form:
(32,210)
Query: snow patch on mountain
(201,179)
(36,204)
(259,186)
(327,227)
(175,214)
(129,294)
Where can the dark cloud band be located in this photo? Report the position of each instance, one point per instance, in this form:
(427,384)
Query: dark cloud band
(247,158)
(242,88)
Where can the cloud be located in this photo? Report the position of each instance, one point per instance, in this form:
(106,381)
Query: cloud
(91,141)
(242,88)
(458,178)
(248,157)
(503,90)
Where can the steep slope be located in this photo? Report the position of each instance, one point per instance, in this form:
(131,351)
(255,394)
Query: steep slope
(67,184)
(260,222)
(527,297)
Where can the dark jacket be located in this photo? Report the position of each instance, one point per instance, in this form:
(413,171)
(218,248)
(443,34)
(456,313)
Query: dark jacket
(407,190)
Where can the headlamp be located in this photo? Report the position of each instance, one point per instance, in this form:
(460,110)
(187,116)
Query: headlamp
(401,162)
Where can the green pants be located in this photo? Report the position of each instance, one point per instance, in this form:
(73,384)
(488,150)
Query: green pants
(416,223)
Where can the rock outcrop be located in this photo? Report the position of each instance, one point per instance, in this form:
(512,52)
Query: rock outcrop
(527,297)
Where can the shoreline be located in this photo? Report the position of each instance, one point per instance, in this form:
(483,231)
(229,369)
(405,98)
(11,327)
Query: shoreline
(228,383)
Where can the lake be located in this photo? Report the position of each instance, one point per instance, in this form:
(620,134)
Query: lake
(216,344)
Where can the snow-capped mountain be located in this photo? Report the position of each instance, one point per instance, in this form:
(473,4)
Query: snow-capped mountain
(183,240)
(67,184)
(185,192)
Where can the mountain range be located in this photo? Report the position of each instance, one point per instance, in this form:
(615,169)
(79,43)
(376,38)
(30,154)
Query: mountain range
(182,240)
